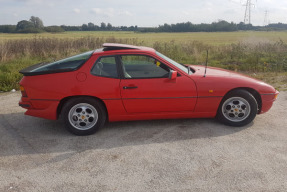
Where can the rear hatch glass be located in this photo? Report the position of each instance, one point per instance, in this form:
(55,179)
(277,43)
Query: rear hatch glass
(68,64)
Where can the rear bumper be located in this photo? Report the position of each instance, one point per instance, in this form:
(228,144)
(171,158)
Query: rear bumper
(267,101)
(40,107)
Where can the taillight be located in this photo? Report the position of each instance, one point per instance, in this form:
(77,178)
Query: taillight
(22,89)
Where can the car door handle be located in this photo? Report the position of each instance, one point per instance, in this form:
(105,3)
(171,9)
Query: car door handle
(133,87)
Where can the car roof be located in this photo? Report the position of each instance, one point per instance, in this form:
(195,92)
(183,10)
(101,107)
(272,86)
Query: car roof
(121,47)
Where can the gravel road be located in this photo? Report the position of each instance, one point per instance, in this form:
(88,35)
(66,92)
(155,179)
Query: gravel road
(162,155)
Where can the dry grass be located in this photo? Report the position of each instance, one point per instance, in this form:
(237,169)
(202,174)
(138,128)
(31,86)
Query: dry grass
(44,47)
(278,80)
(218,38)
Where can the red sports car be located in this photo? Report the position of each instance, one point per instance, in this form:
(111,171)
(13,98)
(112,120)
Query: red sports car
(124,82)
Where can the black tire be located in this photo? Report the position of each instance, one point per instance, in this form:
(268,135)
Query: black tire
(83,115)
(237,108)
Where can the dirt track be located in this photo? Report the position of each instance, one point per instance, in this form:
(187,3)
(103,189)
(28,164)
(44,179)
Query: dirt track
(163,155)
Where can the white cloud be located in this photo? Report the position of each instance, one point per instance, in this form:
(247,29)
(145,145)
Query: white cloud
(185,13)
(125,13)
(110,12)
(51,4)
(76,10)
(34,1)
(107,12)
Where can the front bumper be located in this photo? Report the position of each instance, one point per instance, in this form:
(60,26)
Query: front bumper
(267,101)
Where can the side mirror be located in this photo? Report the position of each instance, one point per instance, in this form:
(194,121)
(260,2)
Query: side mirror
(172,75)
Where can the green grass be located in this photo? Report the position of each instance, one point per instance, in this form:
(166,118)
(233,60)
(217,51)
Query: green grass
(248,52)
(10,76)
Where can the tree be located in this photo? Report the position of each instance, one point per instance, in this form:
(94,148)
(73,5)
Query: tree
(24,24)
(71,28)
(109,27)
(103,26)
(54,29)
(91,26)
(84,27)
(37,22)
(7,28)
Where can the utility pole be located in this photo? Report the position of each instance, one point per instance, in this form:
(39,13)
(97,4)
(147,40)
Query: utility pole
(247,16)
(265,18)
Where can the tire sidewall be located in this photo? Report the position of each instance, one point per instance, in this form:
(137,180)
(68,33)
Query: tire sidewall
(74,101)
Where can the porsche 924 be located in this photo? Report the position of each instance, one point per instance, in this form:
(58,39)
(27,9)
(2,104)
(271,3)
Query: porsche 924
(123,82)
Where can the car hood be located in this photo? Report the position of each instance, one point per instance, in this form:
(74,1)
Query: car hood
(218,72)
(232,79)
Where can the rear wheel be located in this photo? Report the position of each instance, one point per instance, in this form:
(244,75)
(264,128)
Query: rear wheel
(83,115)
(238,108)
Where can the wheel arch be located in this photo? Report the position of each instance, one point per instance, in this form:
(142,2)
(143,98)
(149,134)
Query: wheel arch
(252,91)
(64,100)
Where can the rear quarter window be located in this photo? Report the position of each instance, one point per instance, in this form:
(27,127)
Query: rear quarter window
(67,64)
(105,67)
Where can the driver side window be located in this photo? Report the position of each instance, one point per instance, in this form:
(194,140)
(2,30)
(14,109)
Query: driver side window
(142,66)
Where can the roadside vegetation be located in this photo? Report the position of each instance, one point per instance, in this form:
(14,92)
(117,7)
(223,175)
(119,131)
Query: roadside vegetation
(261,55)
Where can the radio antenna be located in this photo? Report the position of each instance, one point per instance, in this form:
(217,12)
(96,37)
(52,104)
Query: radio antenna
(206,62)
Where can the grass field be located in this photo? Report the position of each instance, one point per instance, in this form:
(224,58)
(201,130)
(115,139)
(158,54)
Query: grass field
(260,53)
(219,38)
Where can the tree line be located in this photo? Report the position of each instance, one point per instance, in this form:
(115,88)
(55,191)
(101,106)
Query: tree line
(219,26)
(35,25)
(102,27)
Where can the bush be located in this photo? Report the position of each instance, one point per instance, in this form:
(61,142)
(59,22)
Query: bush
(54,29)
(7,28)
(31,30)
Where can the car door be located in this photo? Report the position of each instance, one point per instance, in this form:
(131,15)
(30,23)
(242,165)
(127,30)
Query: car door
(147,88)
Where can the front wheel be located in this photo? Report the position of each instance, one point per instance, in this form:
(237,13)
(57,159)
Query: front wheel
(83,115)
(238,108)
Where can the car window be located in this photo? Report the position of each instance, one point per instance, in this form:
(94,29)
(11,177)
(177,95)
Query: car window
(180,66)
(67,64)
(105,67)
(142,66)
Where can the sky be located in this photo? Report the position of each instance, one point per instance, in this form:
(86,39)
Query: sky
(143,13)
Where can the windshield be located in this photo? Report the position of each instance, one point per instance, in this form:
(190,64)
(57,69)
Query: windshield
(65,64)
(180,66)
